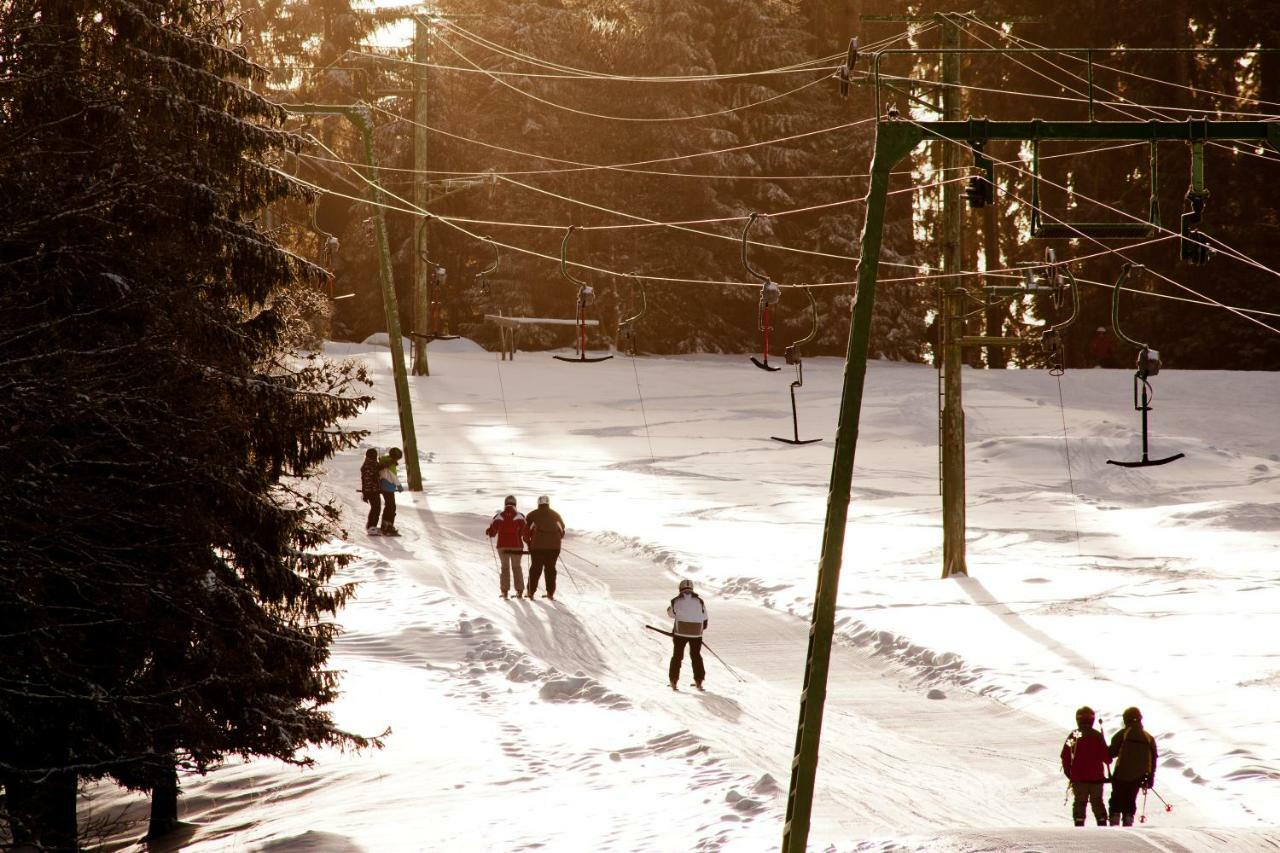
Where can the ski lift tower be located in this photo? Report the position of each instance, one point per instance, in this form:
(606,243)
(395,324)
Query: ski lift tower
(358,115)
(895,139)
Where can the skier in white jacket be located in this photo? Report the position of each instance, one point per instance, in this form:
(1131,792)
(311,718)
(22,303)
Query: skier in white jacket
(690,615)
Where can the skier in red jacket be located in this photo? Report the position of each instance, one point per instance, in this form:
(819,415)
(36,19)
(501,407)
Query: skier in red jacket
(509,528)
(1086,763)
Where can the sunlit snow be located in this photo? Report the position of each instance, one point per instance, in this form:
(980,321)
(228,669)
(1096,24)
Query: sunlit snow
(522,725)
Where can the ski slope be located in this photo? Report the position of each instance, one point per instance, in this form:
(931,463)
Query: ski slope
(541,725)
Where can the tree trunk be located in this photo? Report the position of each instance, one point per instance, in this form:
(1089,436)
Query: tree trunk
(164,802)
(42,812)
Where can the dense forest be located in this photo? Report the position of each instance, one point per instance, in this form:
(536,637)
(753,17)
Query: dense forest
(518,129)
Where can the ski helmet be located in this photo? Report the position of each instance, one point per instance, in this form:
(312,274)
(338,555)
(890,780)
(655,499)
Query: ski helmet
(1085,713)
(686,584)
(543,500)
(1132,716)
(510,500)
(395,453)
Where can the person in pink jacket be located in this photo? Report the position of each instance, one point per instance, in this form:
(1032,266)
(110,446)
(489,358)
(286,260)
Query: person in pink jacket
(508,527)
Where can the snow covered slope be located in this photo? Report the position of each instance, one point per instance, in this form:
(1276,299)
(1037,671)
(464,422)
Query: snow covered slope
(532,724)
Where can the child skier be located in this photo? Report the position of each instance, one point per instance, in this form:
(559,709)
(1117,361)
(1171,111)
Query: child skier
(509,528)
(370,491)
(1085,761)
(1135,753)
(690,615)
(389,484)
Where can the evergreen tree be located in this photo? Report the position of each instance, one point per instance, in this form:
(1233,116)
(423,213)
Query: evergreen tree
(163,600)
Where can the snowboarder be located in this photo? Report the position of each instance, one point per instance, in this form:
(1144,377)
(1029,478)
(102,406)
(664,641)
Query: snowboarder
(389,484)
(1085,761)
(369,491)
(544,532)
(1135,753)
(509,526)
(690,615)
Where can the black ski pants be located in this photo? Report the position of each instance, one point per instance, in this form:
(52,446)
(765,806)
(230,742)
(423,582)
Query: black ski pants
(374,499)
(1124,800)
(543,560)
(388,510)
(677,658)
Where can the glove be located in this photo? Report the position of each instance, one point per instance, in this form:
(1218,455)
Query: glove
(399,488)
(364,498)
(1149,782)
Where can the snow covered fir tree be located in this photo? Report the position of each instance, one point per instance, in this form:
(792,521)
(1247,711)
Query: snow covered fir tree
(164,597)
(984,559)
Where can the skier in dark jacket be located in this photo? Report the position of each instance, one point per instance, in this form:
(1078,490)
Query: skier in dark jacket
(1085,761)
(508,527)
(544,532)
(690,615)
(1135,753)
(369,490)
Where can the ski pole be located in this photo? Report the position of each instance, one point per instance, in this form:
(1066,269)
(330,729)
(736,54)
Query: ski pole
(580,557)
(712,651)
(1167,807)
(1143,819)
(565,566)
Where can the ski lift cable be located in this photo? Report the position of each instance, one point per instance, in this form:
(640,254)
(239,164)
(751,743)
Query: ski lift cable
(533,75)
(1242,98)
(545,226)
(1105,250)
(1226,248)
(643,119)
(413,210)
(1109,250)
(593,166)
(1047,97)
(488,173)
(449,221)
(512,53)
(585,74)
(1261,154)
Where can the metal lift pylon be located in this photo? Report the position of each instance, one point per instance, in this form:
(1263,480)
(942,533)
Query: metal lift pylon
(894,141)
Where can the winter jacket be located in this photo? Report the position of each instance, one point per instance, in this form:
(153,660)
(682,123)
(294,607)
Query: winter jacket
(1135,753)
(509,527)
(388,474)
(369,477)
(1085,757)
(690,614)
(546,529)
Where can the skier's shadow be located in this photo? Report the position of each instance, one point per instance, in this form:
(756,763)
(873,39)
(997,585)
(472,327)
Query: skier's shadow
(722,706)
(553,633)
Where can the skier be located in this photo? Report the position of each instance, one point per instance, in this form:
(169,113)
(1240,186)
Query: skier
(509,526)
(690,614)
(1085,761)
(389,483)
(1102,348)
(369,491)
(1135,753)
(544,532)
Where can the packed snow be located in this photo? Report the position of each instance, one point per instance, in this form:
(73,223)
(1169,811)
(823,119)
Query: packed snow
(537,724)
